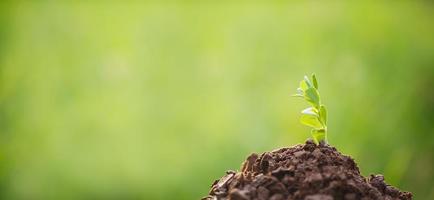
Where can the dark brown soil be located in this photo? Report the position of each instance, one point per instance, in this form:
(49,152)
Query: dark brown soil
(305,172)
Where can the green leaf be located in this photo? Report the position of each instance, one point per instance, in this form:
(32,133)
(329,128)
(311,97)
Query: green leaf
(318,135)
(323,114)
(310,111)
(303,85)
(300,91)
(314,81)
(312,96)
(311,119)
(309,84)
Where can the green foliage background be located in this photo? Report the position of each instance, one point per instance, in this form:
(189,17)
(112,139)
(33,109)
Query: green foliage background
(129,100)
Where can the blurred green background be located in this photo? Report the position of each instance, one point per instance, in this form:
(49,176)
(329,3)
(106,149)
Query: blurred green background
(129,100)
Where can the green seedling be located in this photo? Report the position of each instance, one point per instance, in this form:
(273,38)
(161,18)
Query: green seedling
(316,115)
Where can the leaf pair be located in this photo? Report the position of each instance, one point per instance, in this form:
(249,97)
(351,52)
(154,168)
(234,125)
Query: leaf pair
(311,117)
(309,91)
(315,116)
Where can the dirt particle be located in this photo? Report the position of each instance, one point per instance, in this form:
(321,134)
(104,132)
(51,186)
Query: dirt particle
(350,196)
(299,154)
(317,153)
(263,193)
(277,197)
(318,197)
(238,195)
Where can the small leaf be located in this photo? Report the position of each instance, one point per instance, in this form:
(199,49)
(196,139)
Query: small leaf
(323,114)
(303,85)
(314,81)
(312,96)
(300,91)
(310,111)
(306,79)
(318,135)
(311,120)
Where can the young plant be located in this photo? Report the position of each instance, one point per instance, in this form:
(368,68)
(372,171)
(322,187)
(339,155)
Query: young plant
(316,115)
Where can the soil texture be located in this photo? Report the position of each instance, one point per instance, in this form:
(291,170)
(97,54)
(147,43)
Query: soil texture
(302,172)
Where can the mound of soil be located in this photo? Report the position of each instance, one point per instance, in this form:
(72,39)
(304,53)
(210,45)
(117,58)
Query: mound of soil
(309,172)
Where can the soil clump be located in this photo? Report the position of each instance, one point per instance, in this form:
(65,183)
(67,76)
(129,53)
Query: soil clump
(302,172)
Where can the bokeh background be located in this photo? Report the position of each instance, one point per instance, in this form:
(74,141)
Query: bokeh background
(130,100)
